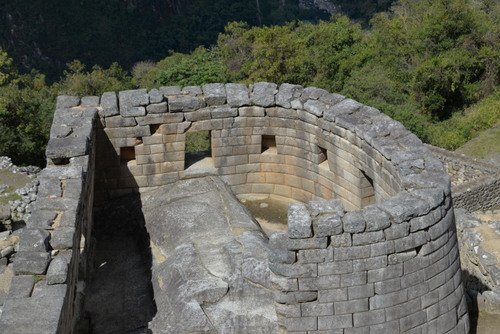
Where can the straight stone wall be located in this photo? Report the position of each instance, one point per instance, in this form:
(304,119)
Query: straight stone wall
(53,256)
(475,183)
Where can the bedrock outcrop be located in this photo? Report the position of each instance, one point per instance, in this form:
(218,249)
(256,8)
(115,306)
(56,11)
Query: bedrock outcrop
(210,268)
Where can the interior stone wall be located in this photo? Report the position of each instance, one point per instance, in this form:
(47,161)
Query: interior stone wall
(371,246)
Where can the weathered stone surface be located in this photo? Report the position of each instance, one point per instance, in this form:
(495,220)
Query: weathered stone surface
(28,263)
(133,102)
(299,221)
(207,264)
(90,101)
(237,95)
(157,108)
(57,272)
(215,94)
(31,315)
(109,103)
(287,93)
(67,147)
(62,237)
(263,94)
(21,286)
(185,103)
(155,96)
(170,90)
(65,101)
(34,240)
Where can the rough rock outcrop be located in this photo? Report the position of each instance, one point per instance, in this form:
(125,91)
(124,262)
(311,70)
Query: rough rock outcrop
(210,271)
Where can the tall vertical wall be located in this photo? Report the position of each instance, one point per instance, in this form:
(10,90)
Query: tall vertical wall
(371,246)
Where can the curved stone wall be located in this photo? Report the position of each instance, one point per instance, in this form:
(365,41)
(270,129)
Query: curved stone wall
(371,245)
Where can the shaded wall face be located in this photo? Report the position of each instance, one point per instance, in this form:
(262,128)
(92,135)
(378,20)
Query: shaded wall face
(262,145)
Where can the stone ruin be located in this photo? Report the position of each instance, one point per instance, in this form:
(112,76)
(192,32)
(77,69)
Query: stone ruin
(371,245)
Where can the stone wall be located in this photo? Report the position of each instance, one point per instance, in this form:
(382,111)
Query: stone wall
(372,245)
(475,183)
(52,258)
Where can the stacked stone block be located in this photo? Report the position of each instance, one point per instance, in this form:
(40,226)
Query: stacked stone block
(384,269)
(313,157)
(44,295)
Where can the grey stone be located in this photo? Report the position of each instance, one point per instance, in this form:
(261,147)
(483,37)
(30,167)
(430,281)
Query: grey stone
(354,222)
(67,147)
(21,286)
(185,103)
(347,106)
(57,272)
(41,218)
(155,96)
(4,212)
(375,218)
(335,322)
(326,207)
(315,107)
(313,93)
(34,240)
(328,225)
(287,93)
(132,111)
(223,112)
(133,98)
(262,94)
(170,90)
(6,251)
(31,315)
(279,252)
(367,238)
(109,103)
(28,263)
(237,95)
(299,221)
(331,99)
(157,108)
(215,94)
(90,101)
(65,101)
(62,237)
(192,90)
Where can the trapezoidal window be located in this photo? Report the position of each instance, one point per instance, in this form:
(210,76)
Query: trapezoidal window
(127,155)
(268,144)
(198,150)
(367,190)
(323,159)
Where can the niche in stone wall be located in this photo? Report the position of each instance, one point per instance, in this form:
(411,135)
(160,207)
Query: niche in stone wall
(323,160)
(367,190)
(127,155)
(268,144)
(198,152)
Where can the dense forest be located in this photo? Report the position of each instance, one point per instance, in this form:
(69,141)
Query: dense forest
(433,65)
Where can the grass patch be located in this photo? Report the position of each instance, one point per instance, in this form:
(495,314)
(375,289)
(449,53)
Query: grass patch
(13,181)
(485,145)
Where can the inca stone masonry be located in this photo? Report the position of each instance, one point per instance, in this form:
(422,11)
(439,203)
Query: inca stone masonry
(371,244)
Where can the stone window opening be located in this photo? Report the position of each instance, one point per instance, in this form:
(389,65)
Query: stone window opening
(198,152)
(127,155)
(323,160)
(268,144)
(154,128)
(367,190)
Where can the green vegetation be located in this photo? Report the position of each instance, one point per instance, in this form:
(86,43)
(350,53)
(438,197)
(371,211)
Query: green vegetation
(13,182)
(433,65)
(197,141)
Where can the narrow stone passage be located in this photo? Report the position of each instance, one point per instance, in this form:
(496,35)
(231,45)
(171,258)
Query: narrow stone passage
(119,298)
